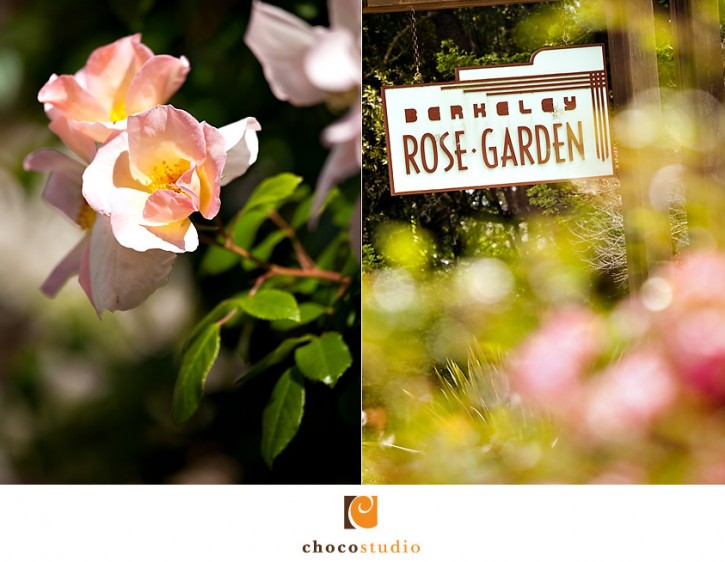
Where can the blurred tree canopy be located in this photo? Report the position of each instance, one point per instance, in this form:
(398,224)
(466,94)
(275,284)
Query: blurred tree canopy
(87,401)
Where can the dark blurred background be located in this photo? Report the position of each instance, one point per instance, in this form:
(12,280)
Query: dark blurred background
(84,400)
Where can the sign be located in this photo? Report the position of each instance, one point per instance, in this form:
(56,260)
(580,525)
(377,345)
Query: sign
(378,6)
(523,124)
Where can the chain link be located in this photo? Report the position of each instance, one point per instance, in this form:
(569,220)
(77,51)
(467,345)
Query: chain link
(565,12)
(418,77)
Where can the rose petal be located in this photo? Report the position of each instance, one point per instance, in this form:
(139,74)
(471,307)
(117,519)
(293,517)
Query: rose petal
(157,80)
(70,265)
(279,40)
(333,63)
(165,206)
(64,93)
(74,137)
(63,188)
(109,72)
(209,172)
(121,278)
(340,164)
(133,231)
(109,170)
(162,141)
(242,147)
(346,15)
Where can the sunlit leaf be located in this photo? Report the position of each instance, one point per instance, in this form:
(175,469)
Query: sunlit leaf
(324,359)
(282,416)
(271,304)
(195,365)
(309,312)
(272,191)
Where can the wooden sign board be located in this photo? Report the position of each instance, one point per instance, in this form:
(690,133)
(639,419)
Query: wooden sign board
(377,6)
(539,122)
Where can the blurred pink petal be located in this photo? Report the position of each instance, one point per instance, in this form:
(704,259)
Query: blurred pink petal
(345,14)
(630,394)
(62,189)
(68,267)
(341,164)
(332,64)
(280,40)
(549,367)
(242,146)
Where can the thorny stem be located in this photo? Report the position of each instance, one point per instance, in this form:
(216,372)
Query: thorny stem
(305,260)
(308,270)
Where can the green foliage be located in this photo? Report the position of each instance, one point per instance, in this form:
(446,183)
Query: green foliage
(271,304)
(283,414)
(302,303)
(324,359)
(196,363)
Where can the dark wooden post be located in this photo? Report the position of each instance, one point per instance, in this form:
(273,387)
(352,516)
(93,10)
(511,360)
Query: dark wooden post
(696,31)
(634,79)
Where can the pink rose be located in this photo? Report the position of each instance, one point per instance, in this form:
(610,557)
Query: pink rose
(149,179)
(118,80)
(113,277)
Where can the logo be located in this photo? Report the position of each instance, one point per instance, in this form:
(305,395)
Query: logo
(361,512)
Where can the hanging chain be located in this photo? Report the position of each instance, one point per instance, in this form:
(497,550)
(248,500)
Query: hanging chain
(418,77)
(565,11)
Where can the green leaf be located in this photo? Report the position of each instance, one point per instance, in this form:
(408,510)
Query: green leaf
(246,226)
(265,248)
(282,416)
(221,311)
(217,260)
(195,365)
(279,354)
(324,359)
(309,312)
(271,304)
(272,191)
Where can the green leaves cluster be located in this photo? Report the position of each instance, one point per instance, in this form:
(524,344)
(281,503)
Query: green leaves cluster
(306,310)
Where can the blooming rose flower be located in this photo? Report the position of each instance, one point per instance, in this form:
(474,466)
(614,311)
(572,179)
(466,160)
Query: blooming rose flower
(306,65)
(113,277)
(118,80)
(149,179)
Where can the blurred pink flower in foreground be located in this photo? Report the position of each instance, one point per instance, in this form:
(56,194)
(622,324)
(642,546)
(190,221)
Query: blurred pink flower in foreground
(118,80)
(674,359)
(306,65)
(549,367)
(149,179)
(629,395)
(692,323)
(113,277)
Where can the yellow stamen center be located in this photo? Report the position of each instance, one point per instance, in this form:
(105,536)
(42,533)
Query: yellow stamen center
(86,217)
